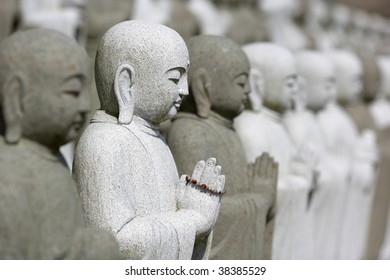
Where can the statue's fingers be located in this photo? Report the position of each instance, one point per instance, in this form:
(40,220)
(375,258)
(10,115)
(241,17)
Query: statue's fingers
(221,183)
(198,171)
(263,164)
(208,171)
(270,166)
(275,170)
(213,182)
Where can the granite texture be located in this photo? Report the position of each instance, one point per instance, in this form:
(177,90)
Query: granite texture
(124,170)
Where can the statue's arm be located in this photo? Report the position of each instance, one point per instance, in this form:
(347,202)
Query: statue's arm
(111,185)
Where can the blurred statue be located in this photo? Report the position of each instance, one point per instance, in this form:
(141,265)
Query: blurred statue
(43,77)
(379,109)
(282,28)
(340,16)
(359,152)
(124,170)
(216,97)
(212,21)
(274,80)
(317,88)
(248,22)
(62,15)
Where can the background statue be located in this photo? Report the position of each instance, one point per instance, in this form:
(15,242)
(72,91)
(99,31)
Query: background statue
(274,80)
(43,76)
(219,85)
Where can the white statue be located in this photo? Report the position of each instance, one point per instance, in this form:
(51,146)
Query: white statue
(380,108)
(158,11)
(273,78)
(317,87)
(357,152)
(212,20)
(64,16)
(282,28)
(124,170)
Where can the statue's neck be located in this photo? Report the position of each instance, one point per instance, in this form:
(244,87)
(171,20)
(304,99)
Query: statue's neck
(221,120)
(146,126)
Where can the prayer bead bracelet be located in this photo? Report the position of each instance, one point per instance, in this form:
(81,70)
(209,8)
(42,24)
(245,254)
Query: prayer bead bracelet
(203,186)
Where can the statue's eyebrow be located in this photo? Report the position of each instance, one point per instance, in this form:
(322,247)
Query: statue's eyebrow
(182,70)
(241,74)
(81,77)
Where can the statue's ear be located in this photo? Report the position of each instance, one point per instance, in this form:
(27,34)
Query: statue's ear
(256,80)
(124,80)
(199,88)
(13,92)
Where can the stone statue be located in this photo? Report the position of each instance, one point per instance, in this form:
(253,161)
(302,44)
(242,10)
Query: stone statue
(248,22)
(340,17)
(379,112)
(317,85)
(124,170)
(182,20)
(65,16)
(205,126)
(43,77)
(273,76)
(212,21)
(61,15)
(100,16)
(282,29)
(355,150)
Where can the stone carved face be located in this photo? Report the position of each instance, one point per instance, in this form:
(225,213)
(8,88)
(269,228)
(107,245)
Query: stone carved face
(319,84)
(348,75)
(219,76)
(281,83)
(273,75)
(165,86)
(141,69)
(231,90)
(47,81)
(61,103)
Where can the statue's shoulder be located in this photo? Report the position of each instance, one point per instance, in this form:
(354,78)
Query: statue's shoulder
(193,127)
(109,138)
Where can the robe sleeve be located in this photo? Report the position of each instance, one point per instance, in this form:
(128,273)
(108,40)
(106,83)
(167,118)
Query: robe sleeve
(111,172)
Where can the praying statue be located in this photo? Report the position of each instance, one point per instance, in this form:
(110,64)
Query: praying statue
(43,76)
(273,75)
(219,85)
(125,172)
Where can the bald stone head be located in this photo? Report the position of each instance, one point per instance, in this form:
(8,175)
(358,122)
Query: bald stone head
(218,77)
(141,69)
(348,72)
(278,75)
(43,81)
(318,77)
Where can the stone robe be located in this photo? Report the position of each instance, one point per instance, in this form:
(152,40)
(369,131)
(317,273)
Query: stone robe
(264,132)
(245,223)
(324,211)
(40,211)
(355,197)
(127,180)
(379,236)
